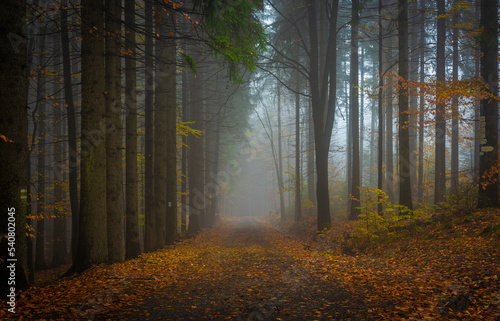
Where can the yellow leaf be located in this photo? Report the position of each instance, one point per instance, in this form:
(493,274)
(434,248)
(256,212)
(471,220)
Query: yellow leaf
(5,139)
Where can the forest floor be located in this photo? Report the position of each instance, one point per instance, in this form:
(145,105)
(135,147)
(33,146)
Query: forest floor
(245,269)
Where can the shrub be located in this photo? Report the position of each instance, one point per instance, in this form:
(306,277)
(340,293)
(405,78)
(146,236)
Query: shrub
(374,225)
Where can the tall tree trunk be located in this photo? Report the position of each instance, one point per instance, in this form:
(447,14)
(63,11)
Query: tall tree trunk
(196,198)
(149,208)
(380,160)
(413,99)
(421,106)
(298,205)
(185,111)
(208,147)
(41,199)
(202,125)
(114,145)
(280,161)
(310,160)
(163,73)
(348,141)
(405,196)
(165,178)
(323,113)
(389,151)
(361,116)
(373,149)
(211,150)
(171,132)
(13,125)
(274,153)
(440,137)
(488,159)
(30,240)
(454,110)
(92,237)
(215,171)
(132,242)
(72,140)
(32,127)
(477,72)
(354,102)
(60,217)
(477,129)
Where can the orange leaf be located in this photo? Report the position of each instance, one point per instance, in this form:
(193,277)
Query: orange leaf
(5,139)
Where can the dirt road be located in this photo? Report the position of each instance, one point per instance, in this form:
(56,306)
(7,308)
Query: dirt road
(245,271)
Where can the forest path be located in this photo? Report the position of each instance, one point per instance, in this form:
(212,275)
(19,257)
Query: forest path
(244,270)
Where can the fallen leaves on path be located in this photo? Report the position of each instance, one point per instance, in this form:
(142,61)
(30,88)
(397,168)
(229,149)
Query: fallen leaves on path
(440,274)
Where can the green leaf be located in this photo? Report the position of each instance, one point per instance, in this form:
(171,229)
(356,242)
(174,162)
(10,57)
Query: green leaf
(190,61)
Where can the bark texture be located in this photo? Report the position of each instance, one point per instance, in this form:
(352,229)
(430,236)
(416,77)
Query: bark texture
(92,245)
(114,130)
(488,159)
(13,125)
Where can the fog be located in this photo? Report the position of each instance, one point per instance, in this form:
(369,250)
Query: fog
(252,191)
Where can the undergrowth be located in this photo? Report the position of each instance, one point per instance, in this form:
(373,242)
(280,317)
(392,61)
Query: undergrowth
(375,231)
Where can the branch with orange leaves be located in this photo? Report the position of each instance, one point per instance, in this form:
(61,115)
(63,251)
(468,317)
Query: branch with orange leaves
(490,176)
(442,92)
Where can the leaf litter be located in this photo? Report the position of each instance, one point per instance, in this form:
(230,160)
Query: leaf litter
(434,274)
